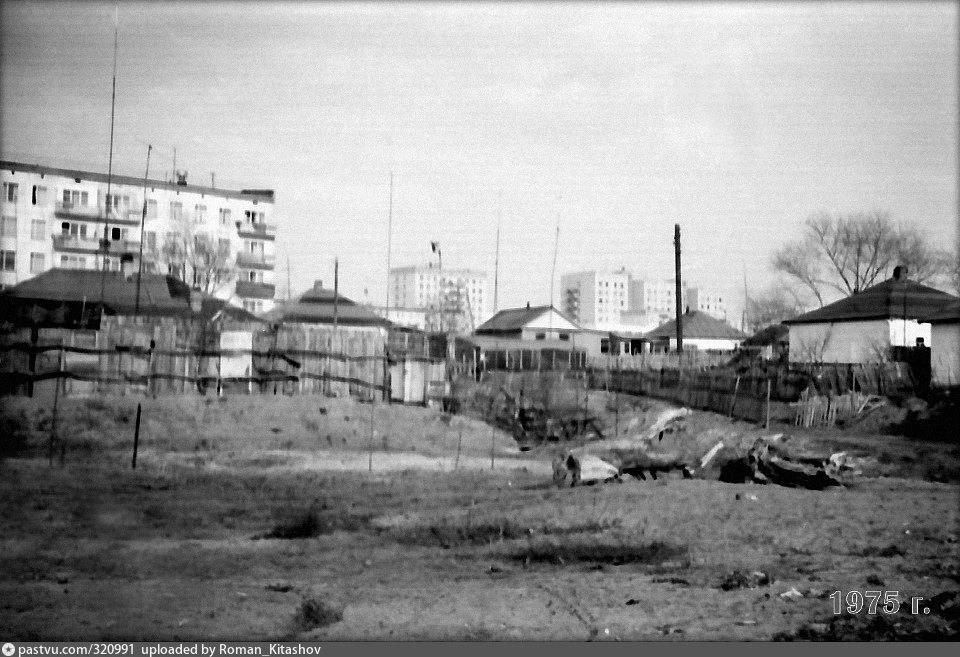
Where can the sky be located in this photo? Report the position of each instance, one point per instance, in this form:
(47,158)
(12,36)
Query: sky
(616,121)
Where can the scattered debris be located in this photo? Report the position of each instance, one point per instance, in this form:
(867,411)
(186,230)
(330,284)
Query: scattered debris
(791,594)
(279,588)
(740,580)
(874,580)
(632,601)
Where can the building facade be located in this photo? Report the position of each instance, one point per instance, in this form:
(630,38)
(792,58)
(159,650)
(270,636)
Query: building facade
(451,299)
(616,301)
(220,241)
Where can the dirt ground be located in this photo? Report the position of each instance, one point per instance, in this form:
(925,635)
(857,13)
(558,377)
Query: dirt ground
(271,518)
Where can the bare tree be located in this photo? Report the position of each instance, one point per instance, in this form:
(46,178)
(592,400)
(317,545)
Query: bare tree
(849,253)
(771,306)
(198,259)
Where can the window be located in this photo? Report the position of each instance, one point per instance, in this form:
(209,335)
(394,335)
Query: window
(176,210)
(541,336)
(118,204)
(255,276)
(252,217)
(604,345)
(72,197)
(38,229)
(10,192)
(73,262)
(8,260)
(223,246)
(36,263)
(39,195)
(151,209)
(115,234)
(8,226)
(199,213)
(564,336)
(256,248)
(224,216)
(151,241)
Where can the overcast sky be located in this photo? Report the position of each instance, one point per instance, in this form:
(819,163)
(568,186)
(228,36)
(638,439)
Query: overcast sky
(734,120)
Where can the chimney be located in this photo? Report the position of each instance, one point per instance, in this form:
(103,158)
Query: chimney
(528,304)
(900,273)
(196,301)
(318,284)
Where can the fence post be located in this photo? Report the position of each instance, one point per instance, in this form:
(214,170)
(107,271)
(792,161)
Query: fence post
(456,463)
(136,439)
(767,427)
(53,423)
(733,403)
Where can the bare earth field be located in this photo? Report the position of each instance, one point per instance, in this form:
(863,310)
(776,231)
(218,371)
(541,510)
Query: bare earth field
(259,518)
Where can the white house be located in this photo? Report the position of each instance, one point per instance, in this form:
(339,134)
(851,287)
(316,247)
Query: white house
(861,328)
(945,346)
(530,323)
(699,330)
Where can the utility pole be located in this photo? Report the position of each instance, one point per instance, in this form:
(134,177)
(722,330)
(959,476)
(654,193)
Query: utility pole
(496,259)
(143,221)
(336,294)
(105,242)
(676,246)
(386,310)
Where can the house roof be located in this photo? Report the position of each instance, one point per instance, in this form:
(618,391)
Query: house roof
(697,325)
(159,295)
(164,296)
(891,299)
(770,335)
(948,315)
(316,306)
(514,319)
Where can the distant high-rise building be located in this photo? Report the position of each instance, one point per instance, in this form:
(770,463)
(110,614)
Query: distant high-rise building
(455,299)
(218,240)
(617,301)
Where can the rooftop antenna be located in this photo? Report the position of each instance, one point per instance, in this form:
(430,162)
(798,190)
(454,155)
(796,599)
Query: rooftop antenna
(105,242)
(143,221)
(288,278)
(496,259)
(553,270)
(746,300)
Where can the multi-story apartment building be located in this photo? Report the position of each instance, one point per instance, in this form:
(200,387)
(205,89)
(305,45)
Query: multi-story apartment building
(659,297)
(595,299)
(456,299)
(617,301)
(218,240)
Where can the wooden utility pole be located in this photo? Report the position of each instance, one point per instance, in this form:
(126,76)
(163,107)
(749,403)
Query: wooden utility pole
(143,221)
(336,294)
(676,247)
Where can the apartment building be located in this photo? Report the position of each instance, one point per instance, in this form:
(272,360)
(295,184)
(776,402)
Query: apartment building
(456,299)
(595,299)
(218,240)
(618,302)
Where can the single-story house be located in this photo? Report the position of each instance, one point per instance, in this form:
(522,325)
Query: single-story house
(945,346)
(351,338)
(113,335)
(700,331)
(864,326)
(530,323)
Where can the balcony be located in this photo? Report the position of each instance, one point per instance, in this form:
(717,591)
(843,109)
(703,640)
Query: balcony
(97,213)
(78,244)
(251,290)
(256,260)
(257,231)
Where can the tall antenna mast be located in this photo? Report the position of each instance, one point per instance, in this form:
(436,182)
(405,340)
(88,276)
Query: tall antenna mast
(288,278)
(496,259)
(386,310)
(143,221)
(746,300)
(553,270)
(105,243)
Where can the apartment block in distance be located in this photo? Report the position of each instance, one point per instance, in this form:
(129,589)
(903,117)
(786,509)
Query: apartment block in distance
(451,299)
(218,240)
(616,301)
